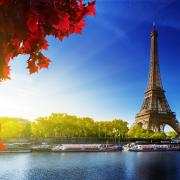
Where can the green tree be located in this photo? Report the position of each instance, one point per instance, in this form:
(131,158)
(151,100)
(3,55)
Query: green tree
(171,134)
(137,131)
(62,125)
(158,135)
(14,128)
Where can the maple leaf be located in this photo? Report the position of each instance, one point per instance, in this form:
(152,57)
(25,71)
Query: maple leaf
(24,26)
(32,23)
(2,2)
(79,26)
(43,62)
(6,72)
(32,66)
(91,8)
(63,24)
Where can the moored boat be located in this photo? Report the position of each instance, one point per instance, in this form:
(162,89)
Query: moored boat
(75,147)
(85,148)
(41,148)
(11,148)
(3,147)
(154,147)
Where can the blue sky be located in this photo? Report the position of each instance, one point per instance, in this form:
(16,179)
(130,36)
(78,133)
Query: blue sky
(103,72)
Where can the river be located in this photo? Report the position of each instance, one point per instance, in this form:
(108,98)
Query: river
(91,166)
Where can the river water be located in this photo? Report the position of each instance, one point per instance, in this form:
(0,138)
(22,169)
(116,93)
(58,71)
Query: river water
(91,166)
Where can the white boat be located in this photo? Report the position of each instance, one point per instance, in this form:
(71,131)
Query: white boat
(155,147)
(43,147)
(85,148)
(76,147)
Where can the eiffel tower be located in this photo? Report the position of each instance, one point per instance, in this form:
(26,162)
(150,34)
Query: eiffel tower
(155,111)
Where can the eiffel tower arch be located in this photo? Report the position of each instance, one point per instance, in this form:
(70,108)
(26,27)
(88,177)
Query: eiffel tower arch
(155,111)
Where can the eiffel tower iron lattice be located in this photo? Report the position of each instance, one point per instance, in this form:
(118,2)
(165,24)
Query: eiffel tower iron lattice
(155,111)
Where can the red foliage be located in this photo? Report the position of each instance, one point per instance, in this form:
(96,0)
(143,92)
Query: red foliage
(24,25)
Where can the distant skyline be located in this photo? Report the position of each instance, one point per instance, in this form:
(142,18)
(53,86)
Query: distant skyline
(103,72)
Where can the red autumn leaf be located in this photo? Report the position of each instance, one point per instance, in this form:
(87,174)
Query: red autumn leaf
(44,44)
(78,28)
(63,24)
(6,71)
(32,23)
(24,26)
(91,8)
(43,62)
(15,42)
(2,2)
(32,66)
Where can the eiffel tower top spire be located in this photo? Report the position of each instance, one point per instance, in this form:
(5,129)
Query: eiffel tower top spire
(154,80)
(154,25)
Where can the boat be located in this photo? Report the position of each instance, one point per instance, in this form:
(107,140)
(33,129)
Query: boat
(85,148)
(175,141)
(110,147)
(41,148)
(75,147)
(11,148)
(2,147)
(154,147)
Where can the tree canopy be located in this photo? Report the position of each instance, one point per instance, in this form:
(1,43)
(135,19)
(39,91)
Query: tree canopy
(137,131)
(14,128)
(62,125)
(25,24)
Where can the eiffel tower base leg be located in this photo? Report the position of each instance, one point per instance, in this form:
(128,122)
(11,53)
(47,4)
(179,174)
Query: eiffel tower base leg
(156,122)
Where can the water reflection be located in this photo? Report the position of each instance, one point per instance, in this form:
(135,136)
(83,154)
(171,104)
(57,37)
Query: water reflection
(90,166)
